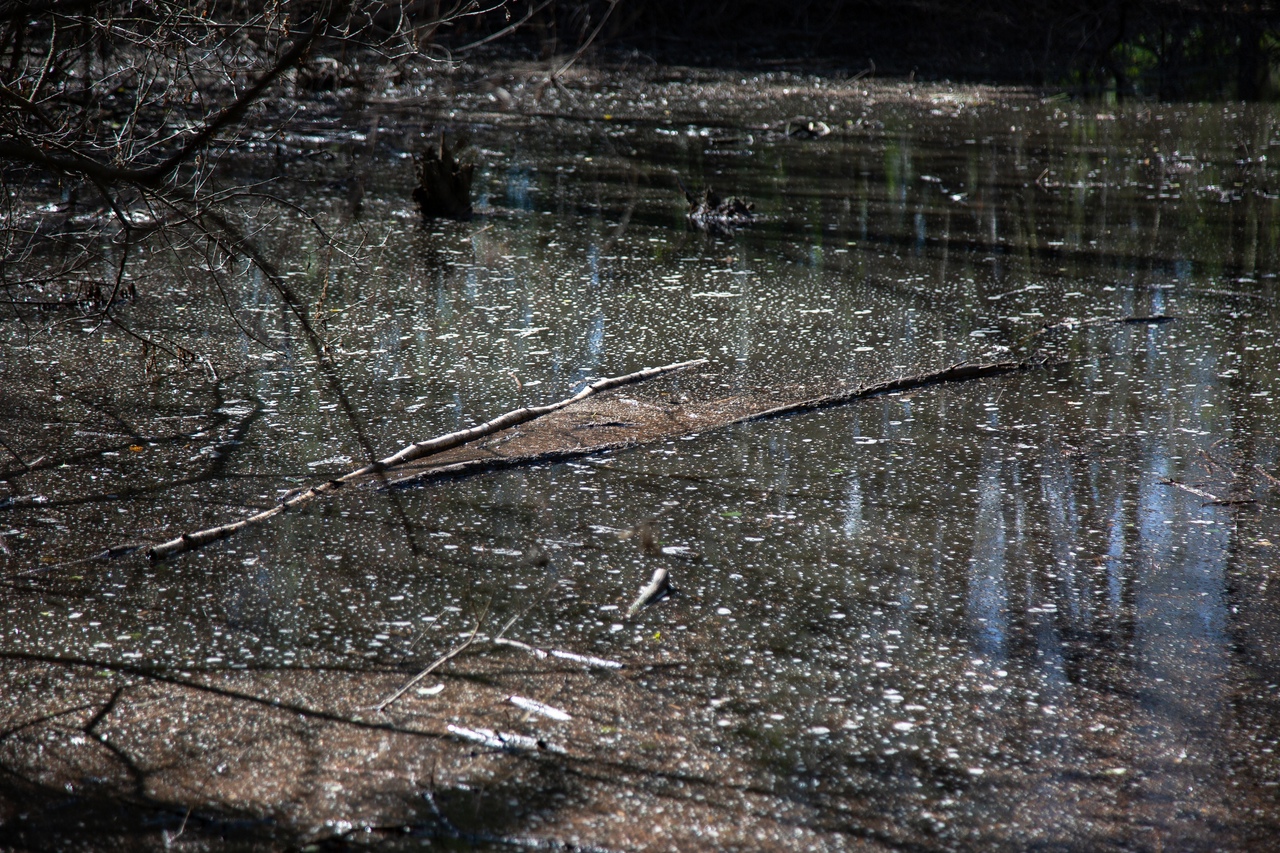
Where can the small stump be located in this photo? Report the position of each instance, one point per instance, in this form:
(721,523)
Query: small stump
(444,184)
(709,212)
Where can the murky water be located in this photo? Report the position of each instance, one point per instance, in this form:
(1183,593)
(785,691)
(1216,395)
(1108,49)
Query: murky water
(980,613)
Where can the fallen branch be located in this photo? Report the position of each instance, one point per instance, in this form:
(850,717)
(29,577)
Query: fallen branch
(418,450)
(1068,325)
(955,373)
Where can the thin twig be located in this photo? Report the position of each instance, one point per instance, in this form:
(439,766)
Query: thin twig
(1200,493)
(439,662)
(15,455)
(1270,479)
(555,77)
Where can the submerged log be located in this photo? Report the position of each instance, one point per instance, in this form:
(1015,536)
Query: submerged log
(444,184)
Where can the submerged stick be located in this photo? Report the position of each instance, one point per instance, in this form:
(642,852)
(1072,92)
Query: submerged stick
(955,373)
(1068,325)
(417,450)
(1213,499)
(439,662)
(1272,480)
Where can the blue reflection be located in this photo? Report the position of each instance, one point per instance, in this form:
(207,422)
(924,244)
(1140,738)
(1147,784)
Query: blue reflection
(988,588)
(595,339)
(519,186)
(853,508)
(1181,616)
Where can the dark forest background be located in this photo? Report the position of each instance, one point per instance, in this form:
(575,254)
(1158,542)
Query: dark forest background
(1169,49)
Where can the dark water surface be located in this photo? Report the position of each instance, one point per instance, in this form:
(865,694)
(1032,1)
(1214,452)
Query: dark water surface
(969,617)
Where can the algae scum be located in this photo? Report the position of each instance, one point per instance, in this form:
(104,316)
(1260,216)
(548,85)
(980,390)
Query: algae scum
(1036,610)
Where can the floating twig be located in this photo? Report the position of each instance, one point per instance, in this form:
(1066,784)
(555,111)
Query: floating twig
(588,660)
(535,707)
(502,740)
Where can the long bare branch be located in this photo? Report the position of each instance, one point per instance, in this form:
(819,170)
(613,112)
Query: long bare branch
(418,450)
(439,662)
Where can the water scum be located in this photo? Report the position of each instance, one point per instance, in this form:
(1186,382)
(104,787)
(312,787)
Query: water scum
(990,615)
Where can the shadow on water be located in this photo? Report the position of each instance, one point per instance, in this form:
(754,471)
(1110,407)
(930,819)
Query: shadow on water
(1028,612)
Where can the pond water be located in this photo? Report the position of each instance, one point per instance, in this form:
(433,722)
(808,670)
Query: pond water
(985,615)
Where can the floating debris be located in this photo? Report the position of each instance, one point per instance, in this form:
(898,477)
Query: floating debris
(502,740)
(1176,163)
(710,212)
(536,707)
(803,127)
(658,589)
(589,660)
(646,533)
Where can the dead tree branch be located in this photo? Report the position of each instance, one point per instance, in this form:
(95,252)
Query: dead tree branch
(418,450)
(955,373)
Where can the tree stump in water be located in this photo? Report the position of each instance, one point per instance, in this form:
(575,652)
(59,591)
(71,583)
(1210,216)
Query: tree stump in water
(444,185)
(710,212)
